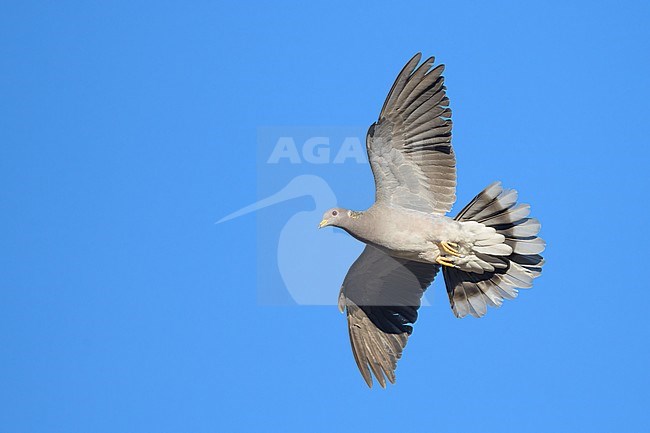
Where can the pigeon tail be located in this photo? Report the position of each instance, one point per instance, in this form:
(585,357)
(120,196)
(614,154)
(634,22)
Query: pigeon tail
(511,253)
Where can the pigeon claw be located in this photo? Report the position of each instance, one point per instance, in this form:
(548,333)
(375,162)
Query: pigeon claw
(450,248)
(444,262)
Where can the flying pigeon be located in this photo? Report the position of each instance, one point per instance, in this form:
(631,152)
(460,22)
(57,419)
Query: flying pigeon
(486,252)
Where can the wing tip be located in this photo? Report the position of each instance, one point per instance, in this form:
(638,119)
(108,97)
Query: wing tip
(417,55)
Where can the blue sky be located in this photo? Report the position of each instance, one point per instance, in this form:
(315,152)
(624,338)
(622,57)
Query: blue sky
(128,128)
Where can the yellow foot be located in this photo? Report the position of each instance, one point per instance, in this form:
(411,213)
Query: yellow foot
(444,262)
(450,248)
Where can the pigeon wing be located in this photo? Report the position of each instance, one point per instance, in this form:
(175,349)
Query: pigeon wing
(381,295)
(409,147)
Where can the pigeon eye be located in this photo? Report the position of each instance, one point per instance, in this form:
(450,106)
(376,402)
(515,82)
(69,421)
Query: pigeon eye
(334,213)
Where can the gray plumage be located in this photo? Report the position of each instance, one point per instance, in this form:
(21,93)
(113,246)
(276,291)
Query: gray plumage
(487,251)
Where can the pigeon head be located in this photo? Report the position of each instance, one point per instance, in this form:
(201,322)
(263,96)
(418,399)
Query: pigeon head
(335,217)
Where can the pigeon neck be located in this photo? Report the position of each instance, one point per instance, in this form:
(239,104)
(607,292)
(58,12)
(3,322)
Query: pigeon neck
(358,224)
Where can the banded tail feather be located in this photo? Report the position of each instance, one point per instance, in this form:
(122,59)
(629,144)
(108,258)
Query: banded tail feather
(470,292)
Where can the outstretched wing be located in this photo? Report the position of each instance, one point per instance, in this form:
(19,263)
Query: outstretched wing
(409,147)
(382,295)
